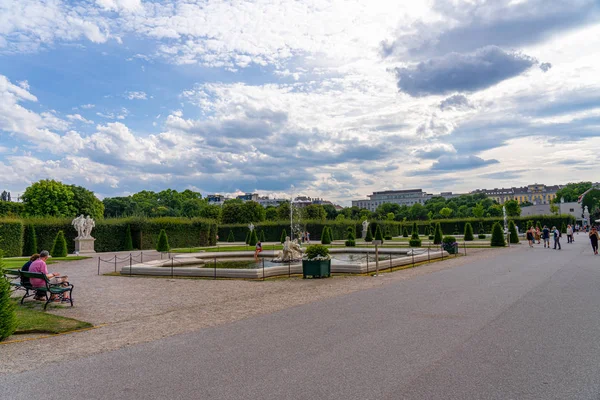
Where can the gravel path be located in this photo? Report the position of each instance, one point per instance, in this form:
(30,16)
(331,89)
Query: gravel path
(139,309)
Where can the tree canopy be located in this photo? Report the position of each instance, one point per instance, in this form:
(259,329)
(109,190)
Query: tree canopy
(55,199)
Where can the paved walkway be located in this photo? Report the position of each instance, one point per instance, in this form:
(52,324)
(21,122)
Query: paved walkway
(522,323)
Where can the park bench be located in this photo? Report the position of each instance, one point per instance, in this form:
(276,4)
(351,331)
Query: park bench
(14,279)
(49,289)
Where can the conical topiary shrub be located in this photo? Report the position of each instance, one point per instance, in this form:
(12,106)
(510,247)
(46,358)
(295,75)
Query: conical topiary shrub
(497,236)
(378,234)
(369,235)
(230,237)
(350,238)
(262,236)
(405,232)
(437,236)
(247,240)
(8,317)
(468,232)
(325,239)
(283,236)
(59,249)
(514,237)
(414,241)
(388,233)
(30,241)
(163,242)
(253,238)
(563,228)
(128,239)
(330,233)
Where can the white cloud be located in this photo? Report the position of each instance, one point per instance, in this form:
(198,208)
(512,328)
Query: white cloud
(136,95)
(78,117)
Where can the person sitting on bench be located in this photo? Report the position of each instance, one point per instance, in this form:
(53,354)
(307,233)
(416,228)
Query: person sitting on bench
(25,281)
(39,265)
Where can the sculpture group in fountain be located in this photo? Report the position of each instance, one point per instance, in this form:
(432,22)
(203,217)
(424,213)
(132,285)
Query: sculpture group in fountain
(365,225)
(84,242)
(291,251)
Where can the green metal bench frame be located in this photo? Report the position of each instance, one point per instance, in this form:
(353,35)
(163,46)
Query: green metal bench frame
(13,277)
(49,289)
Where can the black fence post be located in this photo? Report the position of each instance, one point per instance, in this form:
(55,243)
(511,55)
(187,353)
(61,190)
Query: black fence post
(442,251)
(428,256)
(172,260)
(98,265)
(390,262)
(115,263)
(263,262)
(130,262)
(413,257)
(465,248)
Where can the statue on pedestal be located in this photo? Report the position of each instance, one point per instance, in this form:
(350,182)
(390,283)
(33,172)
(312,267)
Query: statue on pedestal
(291,251)
(84,242)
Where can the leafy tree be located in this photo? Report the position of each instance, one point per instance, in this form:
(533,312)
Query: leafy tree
(554,209)
(572,191)
(230,237)
(163,242)
(314,212)
(8,317)
(446,212)
(494,211)
(120,207)
(4,196)
(271,213)
(231,211)
(251,211)
(85,202)
(210,211)
(512,229)
(192,207)
(525,204)
(30,241)
(128,239)
(369,235)
(438,235)
(283,236)
(330,211)
(468,232)
(418,212)
(378,233)
(48,198)
(478,211)
(283,211)
(59,249)
(591,200)
(497,236)
(512,208)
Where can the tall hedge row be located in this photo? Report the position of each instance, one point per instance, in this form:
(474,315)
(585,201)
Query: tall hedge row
(110,234)
(339,228)
(11,237)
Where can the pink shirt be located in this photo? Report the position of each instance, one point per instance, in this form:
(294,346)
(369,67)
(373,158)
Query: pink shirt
(38,265)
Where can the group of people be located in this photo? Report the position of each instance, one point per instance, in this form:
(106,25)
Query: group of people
(537,235)
(37,263)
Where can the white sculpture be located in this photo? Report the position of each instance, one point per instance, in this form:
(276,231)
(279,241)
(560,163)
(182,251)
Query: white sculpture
(365,225)
(251,226)
(79,225)
(291,251)
(88,226)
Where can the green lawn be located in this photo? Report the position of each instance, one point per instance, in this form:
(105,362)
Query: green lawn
(31,320)
(18,262)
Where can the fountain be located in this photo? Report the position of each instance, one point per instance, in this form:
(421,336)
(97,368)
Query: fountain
(291,252)
(505,220)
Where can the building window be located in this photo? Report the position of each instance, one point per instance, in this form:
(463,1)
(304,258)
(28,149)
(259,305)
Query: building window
(571,210)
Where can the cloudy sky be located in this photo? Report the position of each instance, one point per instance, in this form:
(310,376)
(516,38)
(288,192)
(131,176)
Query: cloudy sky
(337,98)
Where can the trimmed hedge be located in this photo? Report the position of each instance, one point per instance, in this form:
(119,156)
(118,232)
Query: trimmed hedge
(11,237)
(468,232)
(163,242)
(30,242)
(497,236)
(514,237)
(110,234)
(8,317)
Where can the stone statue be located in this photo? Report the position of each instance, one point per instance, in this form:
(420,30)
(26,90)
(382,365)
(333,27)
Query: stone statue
(365,226)
(291,251)
(79,225)
(251,226)
(88,226)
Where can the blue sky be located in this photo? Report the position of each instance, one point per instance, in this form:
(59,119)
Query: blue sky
(338,98)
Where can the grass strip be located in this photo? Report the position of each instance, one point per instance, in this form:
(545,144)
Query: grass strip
(31,320)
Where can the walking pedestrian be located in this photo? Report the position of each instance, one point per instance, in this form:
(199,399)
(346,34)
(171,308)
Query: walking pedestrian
(594,237)
(530,237)
(546,237)
(538,234)
(556,233)
(569,234)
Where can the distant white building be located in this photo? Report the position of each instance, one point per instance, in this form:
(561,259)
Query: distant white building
(400,197)
(570,208)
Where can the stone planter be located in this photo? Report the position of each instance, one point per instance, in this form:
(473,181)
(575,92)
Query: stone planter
(316,269)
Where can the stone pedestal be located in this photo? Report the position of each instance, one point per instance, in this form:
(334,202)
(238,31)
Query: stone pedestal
(84,245)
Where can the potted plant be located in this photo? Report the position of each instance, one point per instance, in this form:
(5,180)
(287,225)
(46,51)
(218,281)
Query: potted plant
(316,262)
(449,244)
